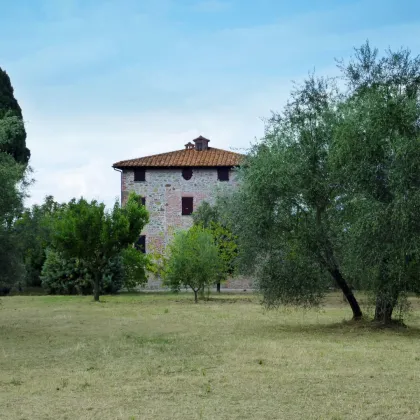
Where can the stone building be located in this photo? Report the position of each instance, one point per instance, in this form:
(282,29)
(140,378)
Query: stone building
(173,184)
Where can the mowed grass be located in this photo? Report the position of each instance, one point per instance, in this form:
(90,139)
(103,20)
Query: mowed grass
(163,357)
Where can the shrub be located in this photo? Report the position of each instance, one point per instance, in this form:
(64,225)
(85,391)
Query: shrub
(61,276)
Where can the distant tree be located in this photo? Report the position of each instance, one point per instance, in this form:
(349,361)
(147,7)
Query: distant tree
(12,193)
(12,129)
(87,231)
(208,217)
(205,215)
(8,101)
(135,265)
(193,261)
(34,229)
(377,155)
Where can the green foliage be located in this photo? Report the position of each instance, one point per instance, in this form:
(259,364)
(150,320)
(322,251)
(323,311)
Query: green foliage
(227,246)
(13,180)
(12,270)
(285,211)
(193,261)
(34,228)
(12,130)
(205,215)
(135,264)
(377,155)
(61,276)
(86,231)
(209,218)
(12,192)
(13,138)
(7,98)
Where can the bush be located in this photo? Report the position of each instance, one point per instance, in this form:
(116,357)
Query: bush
(62,276)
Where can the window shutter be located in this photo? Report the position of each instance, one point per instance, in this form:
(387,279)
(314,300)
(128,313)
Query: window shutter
(141,244)
(139,174)
(187,206)
(223,174)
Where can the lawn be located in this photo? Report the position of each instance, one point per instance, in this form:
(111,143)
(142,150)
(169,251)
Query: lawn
(158,356)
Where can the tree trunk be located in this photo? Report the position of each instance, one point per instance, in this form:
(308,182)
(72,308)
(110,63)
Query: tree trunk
(96,287)
(195,296)
(218,287)
(342,284)
(384,307)
(387,296)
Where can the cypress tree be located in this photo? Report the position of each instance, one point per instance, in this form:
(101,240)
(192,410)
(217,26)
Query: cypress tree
(12,128)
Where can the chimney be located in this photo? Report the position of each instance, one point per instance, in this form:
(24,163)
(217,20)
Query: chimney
(189,146)
(201,143)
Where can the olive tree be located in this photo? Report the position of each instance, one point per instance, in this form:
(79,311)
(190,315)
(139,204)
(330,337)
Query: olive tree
(285,212)
(376,153)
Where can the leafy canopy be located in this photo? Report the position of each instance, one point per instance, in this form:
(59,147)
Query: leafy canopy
(285,211)
(193,261)
(377,154)
(89,232)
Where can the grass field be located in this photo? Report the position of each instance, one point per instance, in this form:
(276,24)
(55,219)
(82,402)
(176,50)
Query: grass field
(161,356)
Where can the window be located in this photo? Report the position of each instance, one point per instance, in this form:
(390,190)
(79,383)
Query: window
(139,174)
(141,244)
(187,173)
(187,206)
(223,174)
(143,201)
(199,145)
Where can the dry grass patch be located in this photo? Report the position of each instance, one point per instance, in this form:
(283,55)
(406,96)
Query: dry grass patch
(163,357)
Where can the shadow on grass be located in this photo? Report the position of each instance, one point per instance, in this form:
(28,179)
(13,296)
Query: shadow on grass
(345,327)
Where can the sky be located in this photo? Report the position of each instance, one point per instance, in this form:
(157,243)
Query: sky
(102,81)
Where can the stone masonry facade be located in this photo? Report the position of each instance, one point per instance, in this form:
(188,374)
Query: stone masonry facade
(163,190)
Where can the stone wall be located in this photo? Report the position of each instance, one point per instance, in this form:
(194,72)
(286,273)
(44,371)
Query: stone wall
(234,283)
(163,190)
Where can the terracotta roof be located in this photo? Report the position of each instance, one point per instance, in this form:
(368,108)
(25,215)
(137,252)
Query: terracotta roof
(186,157)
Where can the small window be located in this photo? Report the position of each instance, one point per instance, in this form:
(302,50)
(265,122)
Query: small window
(141,244)
(139,174)
(223,174)
(187,173)
(143,201)
(187,206)
(199,145)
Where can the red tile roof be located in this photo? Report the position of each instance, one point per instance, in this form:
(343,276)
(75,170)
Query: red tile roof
(186,157)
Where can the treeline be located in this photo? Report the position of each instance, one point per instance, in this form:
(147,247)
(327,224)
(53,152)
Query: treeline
(67,248)
(77,247)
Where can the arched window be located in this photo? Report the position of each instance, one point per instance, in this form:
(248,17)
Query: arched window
(187,173)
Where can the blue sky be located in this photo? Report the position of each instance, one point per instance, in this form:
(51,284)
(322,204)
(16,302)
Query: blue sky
(100,81)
